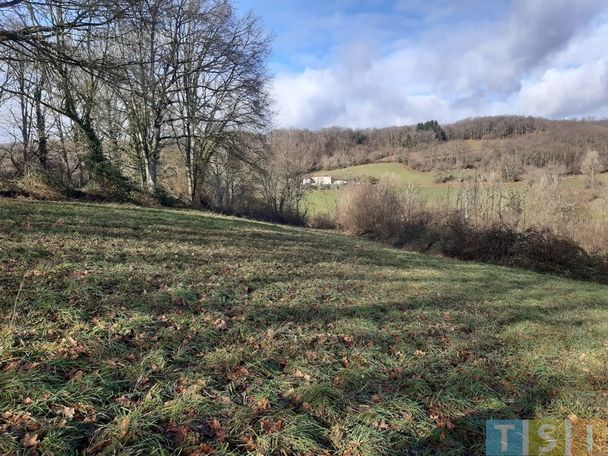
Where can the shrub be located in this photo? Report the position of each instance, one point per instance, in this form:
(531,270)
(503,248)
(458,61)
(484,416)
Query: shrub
(370,210)
(388,213)
(321,222)
(39,185)
(259,210)
(444,178)
(535,249)
(383,212)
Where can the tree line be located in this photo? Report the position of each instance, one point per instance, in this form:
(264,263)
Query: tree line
(102,91)
(512,143)
(170,97)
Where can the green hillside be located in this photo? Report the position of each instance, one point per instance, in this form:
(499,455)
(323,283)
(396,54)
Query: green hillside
(382,170)
(319,201)
(324,201)
(138,331)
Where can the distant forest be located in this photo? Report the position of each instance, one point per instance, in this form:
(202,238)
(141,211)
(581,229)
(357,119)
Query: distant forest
(513,142)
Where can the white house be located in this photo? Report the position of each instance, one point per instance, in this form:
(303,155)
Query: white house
(318,181)
(323,181)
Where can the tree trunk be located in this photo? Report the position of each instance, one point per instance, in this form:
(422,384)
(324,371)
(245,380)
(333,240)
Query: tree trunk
(151,173)
(41,128)
(100,169)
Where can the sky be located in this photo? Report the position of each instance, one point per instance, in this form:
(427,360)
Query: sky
(375,63)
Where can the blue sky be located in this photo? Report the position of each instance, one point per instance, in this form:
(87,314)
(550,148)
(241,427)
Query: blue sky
(372,63)
(311,33)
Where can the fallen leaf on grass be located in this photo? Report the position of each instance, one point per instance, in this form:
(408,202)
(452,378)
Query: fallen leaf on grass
(442,422)
(178,433)
(262,405)
(271,426)
(76,375)
(225,400)
(30,440)
(68,412)
(297,373)
(202,450)
(347,340)
(213,429)
(311,356)
(79,274)
(381,425)
(71,349)
(220,325)
(16,419)
(123,427)
(249,441)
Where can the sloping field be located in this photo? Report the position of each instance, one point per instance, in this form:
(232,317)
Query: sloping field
(400,172)
(141,331)
(325,201)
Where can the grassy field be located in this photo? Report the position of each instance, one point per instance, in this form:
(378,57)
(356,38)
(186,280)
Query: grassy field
(381,170)
(144,331)
(324,201)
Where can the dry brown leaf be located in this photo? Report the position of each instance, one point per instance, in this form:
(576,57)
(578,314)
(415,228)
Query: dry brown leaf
(271,426)
(202,450)
(30,440)
(382,425)
(178,433)
(218,430)
(220,325)
(250,442)
(297,373)
(76,375)
(123,426)
(68,412)
(225,400)
(311,356)
(262,405)
(347,340)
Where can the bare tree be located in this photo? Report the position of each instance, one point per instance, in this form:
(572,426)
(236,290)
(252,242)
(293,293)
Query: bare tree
(222,89)
(69,42)
(591,165)
(136,78)
(149,43)
(25,84)
(26,27)
(283,173)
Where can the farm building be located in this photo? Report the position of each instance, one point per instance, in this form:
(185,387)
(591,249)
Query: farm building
(323,181)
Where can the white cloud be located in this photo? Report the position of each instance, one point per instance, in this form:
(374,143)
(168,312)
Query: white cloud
(568,92)
(545,57)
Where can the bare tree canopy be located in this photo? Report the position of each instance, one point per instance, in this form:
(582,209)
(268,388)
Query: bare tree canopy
(27,26)
(130,78)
